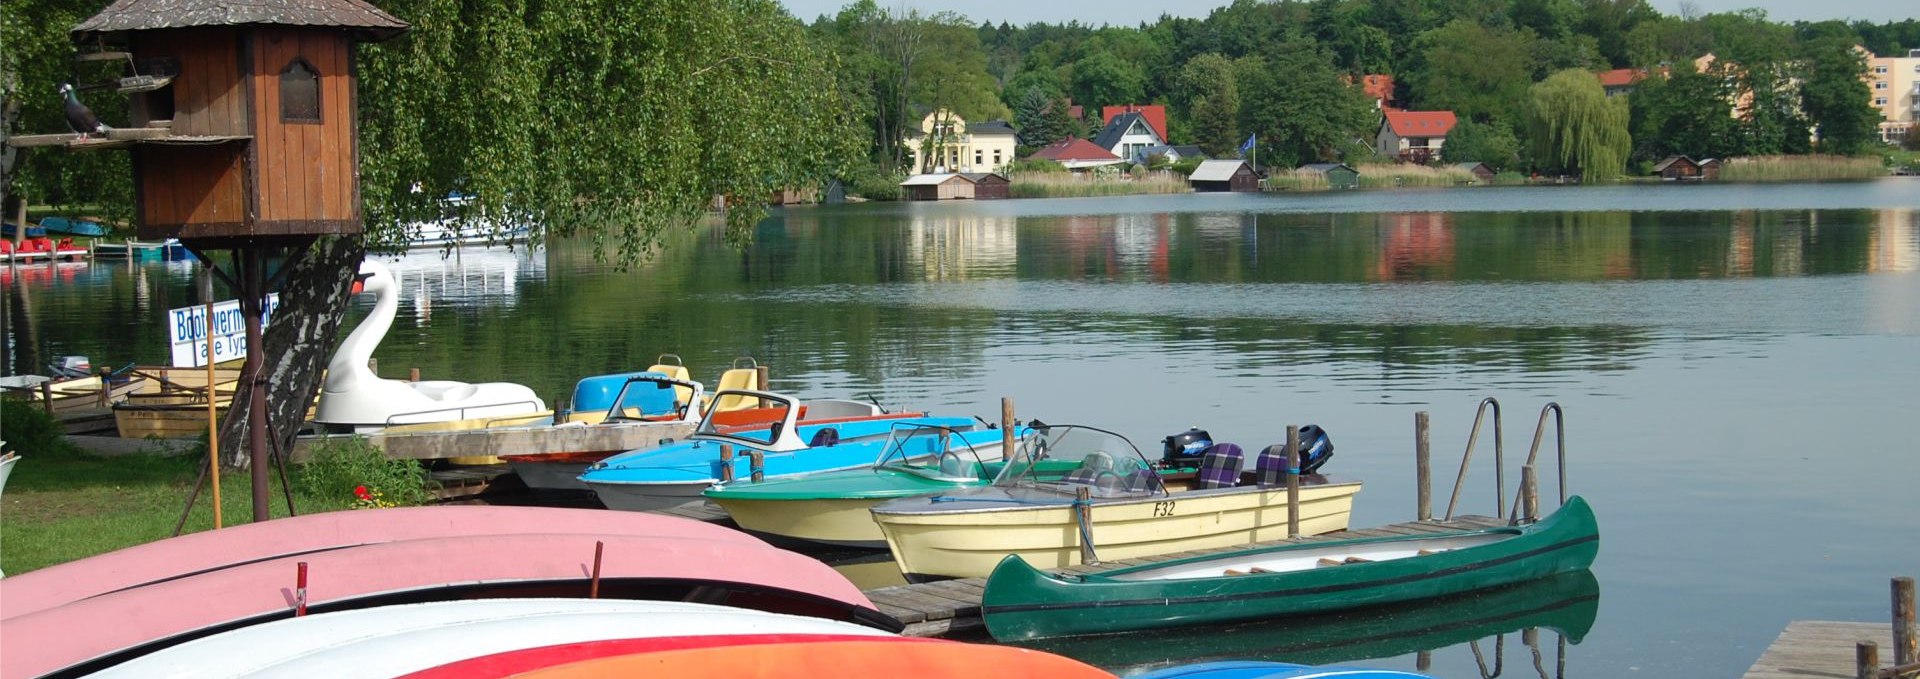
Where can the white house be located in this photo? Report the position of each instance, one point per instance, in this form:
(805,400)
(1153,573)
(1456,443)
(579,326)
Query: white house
(1413,136)
(959,146)
(1127,135)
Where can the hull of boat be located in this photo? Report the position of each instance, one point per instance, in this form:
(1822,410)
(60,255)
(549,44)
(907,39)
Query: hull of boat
(559,475)
(1021,602)
(847,522)
(183,421)
(465,636)
(937,537)
(71,396)
(1251,669)
(647,497)
(721,658)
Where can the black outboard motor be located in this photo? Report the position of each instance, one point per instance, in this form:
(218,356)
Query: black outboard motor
(1316,447)
(1185,448)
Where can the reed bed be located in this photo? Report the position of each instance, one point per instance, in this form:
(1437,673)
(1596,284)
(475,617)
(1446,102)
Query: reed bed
(1388,176)
(1075,185)
(1800,168)
(1295,180)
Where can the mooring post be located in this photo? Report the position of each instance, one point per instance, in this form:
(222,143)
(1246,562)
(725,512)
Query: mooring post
(413,374)
(300,588)
(726,463)
(1006,427)
(760,377)
(1083,515)
(757,462)
(1423,470)
(1866,660)
(46,390)
(593,588)
(1530,493)
(1906,646)
(1293,481)
(106,388)
(213,411)
(1423,661)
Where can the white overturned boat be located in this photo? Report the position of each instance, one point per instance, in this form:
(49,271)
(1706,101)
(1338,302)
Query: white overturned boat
(392,641)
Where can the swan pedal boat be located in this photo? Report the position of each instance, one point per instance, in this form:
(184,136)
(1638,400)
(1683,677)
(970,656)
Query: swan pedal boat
(677,473)
(1136,510)
(1022,602)
(439,637)
(832,507)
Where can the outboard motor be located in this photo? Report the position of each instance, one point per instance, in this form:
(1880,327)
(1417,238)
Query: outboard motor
(1185,448)
(1316,447)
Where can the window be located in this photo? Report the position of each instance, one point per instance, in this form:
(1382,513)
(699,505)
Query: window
(979,157)
(1879,101)
(996,157)
(1881,70)
(1879,84)
(299,93)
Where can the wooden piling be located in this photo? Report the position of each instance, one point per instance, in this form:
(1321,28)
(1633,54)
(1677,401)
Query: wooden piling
(1006,427)
(1083,514)
(1423,470)
(757,462)
(1529,493)
(1866,660)
(1293,481)
(46,388)
(413,374)
(726,463)
(213,413)
(593,586)
(1906,645)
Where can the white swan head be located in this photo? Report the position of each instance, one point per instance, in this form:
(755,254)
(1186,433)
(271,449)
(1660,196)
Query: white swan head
(374,278)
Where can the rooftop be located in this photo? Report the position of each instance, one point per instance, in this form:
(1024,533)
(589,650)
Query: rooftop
(143,15)
(1074,148)
(1420,123)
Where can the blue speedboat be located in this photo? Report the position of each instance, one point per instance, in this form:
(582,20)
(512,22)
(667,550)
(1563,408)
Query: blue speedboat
(1253,669)
(818,436)
(73,227)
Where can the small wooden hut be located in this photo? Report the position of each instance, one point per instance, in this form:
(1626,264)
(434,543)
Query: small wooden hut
(1677,168)
(989,186)
(1481,173)
(1224,175)
(1710,169)
(1339,175)
(943,186)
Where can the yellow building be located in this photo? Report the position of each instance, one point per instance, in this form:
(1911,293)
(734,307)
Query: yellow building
(954,145)
(1894,84)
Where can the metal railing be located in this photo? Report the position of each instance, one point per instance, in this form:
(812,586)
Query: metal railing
(1528,483)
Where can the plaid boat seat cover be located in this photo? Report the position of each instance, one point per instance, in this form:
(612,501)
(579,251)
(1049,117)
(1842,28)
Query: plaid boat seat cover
(1219,467)
(1272,466)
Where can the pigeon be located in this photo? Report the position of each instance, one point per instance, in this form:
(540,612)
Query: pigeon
(79,117)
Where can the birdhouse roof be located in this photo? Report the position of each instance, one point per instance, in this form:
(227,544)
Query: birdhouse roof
(143,15)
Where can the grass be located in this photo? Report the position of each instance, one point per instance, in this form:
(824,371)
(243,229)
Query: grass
(1076,185)
(1800,168)
(1395,175)
(62,507)
(1295,180)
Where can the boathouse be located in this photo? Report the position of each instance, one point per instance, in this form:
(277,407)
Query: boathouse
(1224,175)
(989,185)
(1677,168)
(945,186)
(1339,175)
(1710,169)
(1481,173)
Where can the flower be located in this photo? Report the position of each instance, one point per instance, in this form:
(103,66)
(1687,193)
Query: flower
(361,493)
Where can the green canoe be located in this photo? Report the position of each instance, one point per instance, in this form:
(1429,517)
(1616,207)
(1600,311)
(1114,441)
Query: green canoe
(1022,602)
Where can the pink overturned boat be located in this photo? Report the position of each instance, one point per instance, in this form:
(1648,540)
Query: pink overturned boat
(471,639)
(209,551)
(102,630)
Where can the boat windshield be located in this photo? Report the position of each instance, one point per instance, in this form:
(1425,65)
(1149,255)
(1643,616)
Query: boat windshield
(932,451)
(650,396)
(1063,458)
(779,411)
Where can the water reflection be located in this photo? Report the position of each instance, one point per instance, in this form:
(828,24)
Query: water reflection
(1564,605)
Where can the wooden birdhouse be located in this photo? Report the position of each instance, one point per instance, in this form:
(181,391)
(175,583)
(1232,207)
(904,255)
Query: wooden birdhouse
(243,114)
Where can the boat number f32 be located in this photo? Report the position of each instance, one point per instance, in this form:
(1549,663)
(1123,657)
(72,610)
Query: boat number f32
(1163,508)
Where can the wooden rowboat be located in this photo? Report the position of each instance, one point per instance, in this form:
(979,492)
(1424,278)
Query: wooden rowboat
(1021,602)
(470,636)
(84,393)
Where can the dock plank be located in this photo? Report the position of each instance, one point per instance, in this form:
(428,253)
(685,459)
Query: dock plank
(1817,648)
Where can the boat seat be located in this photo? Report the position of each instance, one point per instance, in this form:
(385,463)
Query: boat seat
(675,371)
(954,466)
(737,378)
(1271,466)
(1091,469)
(828,436)
(1219,467)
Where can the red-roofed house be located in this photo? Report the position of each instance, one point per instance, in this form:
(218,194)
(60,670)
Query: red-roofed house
(1379,88)
(1078,154)
(1414,136)
(1155,115)
(1620,80)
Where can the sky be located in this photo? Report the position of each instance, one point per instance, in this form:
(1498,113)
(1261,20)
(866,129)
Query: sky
(1131,12)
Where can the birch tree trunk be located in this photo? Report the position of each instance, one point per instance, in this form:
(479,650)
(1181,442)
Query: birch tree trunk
(298,344)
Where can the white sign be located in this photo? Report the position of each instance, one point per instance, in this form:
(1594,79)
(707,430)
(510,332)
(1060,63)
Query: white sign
(187,332)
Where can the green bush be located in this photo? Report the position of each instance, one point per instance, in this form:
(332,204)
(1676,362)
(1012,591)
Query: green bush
(340,465)
(1186,166)
(872,184)
(1035,166)
(29,430)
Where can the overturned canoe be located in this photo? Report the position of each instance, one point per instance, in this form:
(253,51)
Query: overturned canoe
(1021,602)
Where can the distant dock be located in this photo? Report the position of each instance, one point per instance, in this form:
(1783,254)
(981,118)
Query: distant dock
(1846,650)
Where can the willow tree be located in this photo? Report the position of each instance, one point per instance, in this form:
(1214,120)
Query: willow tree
(1574,127)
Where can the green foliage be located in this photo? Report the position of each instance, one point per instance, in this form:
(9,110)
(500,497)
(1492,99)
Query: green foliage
(870,183)
(36,55)
(337,467)
(1686,113)
(1301,107)
(1574,127)
(1185,166)
(1041,119)
(1103,79)
(1035,166)
(1479,73)
(30,431)
(1490,143)
(1211,101)
(1835,98)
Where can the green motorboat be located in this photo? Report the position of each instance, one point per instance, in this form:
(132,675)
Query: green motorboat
(1022,602)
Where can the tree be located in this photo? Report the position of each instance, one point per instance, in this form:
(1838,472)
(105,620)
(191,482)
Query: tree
(1302,108)
(1686,113)
(1041,120)
(1212,100)
(1836,99)
(1102,79)
(1610,21)
(35,57)
(1477,72)
(1491,143)
(1574,127)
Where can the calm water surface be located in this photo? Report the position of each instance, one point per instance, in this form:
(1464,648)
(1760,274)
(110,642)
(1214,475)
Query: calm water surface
(1738,366)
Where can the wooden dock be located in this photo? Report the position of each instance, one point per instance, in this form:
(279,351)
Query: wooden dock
(511,441)
(939,608)
(1818,648)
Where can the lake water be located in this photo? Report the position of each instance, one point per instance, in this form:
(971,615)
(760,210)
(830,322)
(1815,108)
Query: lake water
(1740,368)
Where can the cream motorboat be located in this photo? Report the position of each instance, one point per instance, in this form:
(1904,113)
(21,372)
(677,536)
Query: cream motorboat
(1136,510)
(356,400)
